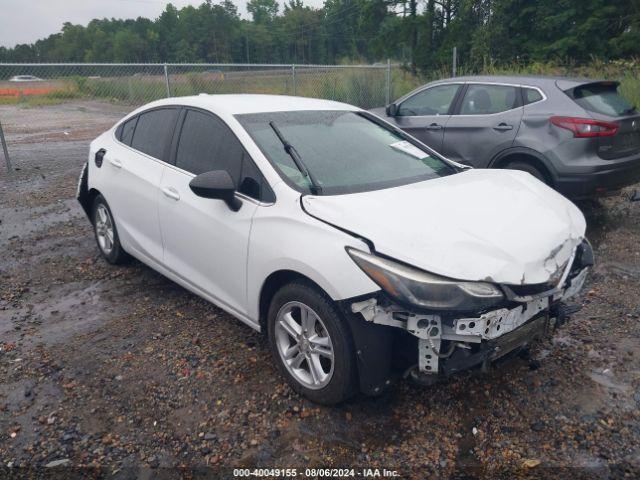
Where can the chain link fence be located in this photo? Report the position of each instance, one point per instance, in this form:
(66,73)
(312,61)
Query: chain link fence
(29,93)
(136,84)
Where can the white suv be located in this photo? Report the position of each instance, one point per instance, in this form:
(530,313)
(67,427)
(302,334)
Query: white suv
(361,252)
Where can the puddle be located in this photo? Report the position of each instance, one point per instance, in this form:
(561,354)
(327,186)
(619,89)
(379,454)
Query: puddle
(62,312)
(607,380)
(596,467)
(565,341)
(21,222)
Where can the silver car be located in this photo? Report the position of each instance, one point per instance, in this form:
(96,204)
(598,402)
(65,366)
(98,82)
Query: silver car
(579,136)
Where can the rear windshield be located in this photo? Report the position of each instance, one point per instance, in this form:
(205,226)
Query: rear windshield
(603,98)
(344,152)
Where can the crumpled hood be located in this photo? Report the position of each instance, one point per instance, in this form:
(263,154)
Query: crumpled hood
(502,226)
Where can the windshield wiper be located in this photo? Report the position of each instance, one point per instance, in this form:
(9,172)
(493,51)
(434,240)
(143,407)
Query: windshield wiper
(315,188)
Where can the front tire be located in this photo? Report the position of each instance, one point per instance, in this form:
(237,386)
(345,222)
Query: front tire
(311,343)
(104,228)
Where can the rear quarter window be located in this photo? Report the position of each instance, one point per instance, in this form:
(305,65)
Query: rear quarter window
(531,95)
(125,131)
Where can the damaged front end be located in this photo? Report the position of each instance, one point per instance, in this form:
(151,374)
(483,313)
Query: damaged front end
(432,342)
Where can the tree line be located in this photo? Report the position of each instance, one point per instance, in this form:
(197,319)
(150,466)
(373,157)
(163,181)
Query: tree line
(420,33)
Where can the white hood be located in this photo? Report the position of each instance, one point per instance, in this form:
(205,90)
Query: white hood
(502,226)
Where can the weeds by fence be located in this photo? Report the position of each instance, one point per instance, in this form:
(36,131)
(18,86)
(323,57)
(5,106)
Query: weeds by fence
(363,85)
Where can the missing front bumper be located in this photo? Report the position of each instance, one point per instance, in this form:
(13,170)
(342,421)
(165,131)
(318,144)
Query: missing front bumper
(446,345)
(492,350)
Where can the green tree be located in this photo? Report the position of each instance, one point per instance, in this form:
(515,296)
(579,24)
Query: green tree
(420,32)
(263,11)
(128,47)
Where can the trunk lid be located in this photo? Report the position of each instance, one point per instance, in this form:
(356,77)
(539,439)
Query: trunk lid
(625,143)
(502,226)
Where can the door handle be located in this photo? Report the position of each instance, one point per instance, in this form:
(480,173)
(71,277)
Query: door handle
(501,127)
(115,162)
(171,192)
(434,126)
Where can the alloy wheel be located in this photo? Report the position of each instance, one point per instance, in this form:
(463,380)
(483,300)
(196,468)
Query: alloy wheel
(104,229)
(304,345)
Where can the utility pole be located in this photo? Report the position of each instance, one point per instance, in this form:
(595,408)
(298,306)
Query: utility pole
(7,161)
(455,61)
(388,92)
(413,12)
(215,47)
(293,78)
(166,80)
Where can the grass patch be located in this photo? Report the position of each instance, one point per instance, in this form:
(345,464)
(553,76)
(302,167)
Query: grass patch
(55,97)
(363,87)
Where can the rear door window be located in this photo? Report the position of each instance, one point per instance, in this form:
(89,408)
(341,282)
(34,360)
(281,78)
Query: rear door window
(153,132)
(432,101)
(206,144)
(487,99)
(603,98)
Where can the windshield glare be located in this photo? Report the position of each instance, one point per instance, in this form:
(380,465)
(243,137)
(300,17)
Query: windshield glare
(344,151)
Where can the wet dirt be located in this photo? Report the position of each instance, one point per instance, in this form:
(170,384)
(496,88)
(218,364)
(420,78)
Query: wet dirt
(119,367)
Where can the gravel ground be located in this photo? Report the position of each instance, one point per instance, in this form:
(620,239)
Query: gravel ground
(119,368)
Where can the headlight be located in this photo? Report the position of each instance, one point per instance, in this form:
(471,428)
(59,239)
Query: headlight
(413,286)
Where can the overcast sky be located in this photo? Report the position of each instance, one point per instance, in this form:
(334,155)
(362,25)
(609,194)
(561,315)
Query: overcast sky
(25,21)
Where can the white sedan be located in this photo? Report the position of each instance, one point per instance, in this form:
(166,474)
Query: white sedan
(25,78)
(363,254)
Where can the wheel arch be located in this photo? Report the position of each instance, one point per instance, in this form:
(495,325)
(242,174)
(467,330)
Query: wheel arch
(274,282)
(373,343)
(526,155)
(86,200)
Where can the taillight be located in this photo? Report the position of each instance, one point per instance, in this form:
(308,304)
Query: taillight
(586,127)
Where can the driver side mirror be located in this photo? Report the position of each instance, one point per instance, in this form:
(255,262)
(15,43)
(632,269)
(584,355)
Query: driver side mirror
(216,184)
(392,110)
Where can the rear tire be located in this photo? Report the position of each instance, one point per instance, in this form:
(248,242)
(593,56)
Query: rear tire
(529,168)
(312,344)
(106,233)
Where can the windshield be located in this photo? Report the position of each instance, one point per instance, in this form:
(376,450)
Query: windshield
(344,152)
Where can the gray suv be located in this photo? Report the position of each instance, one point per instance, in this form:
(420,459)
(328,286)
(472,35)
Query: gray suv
(579,136)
